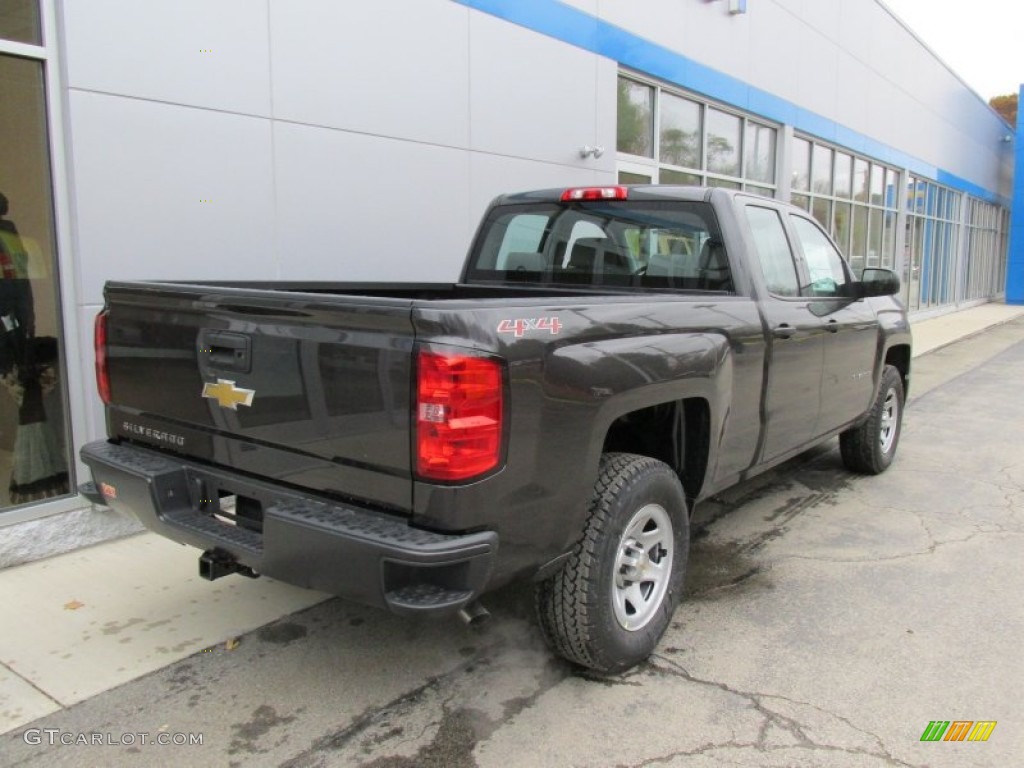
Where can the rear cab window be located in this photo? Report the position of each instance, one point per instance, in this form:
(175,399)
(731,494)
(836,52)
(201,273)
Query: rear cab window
(666,245)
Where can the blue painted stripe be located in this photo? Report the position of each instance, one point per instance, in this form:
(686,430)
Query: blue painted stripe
(571,25)
(1015,268)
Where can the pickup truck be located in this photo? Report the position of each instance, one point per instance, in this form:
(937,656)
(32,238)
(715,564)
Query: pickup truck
(609,357)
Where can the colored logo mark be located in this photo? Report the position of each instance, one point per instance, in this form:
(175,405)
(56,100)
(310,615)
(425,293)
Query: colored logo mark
(958,730)
(227,394)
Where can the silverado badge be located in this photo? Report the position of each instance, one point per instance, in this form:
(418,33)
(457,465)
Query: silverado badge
(227,394)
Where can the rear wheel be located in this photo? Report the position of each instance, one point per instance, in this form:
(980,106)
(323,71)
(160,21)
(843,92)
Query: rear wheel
(870,447)
(611,602)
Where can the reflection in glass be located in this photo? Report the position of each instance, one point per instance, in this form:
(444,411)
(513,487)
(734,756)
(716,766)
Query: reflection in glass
(723,143)
(841,230)
(19,21)
(680,131)
(802,201)
(760,153)
(33,458)
(823,213)
(626,177)
(878,186)
(891,189)
(635,118)
(861,191)
(712,182)
(668,176)
(843,174)
(859,244)
(801,165)
(822,170)
(875,247)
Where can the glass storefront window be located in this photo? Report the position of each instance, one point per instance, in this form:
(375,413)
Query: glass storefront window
(861,181)
(34,463)
(822,211)
(712,182)
(680,131)
(723,143)
(668,176)
(821,170)
(760,153)
(626,177)
(878,186)
(841,231)
(19,21)
(843,174)
(676,138)
(801,179)
(875,245)
(635,118)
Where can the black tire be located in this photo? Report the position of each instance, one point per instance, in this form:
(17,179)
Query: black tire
(870,447)
(579,608)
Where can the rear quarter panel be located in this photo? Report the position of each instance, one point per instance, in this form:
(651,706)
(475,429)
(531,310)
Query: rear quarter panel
(610,356)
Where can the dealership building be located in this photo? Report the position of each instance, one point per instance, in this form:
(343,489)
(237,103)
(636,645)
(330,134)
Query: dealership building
(317,139)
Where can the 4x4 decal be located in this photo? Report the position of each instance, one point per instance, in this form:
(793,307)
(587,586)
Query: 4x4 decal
(520,326)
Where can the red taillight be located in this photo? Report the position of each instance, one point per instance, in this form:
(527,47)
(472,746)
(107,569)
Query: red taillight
(100,343)
(594,193)
(458,415)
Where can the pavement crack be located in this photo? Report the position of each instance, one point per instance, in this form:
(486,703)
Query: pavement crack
(759,703)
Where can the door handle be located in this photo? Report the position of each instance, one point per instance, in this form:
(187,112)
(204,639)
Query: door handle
(784,331)
(832,326)
(227,351)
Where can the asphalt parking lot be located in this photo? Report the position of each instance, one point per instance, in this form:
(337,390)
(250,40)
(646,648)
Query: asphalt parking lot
(829,619)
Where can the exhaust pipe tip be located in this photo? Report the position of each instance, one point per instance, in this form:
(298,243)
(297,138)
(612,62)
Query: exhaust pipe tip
(474,614)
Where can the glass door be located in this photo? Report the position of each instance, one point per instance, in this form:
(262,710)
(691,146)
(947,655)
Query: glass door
(34,462)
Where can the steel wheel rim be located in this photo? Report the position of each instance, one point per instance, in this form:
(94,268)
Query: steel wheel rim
(643,567)
(889,421)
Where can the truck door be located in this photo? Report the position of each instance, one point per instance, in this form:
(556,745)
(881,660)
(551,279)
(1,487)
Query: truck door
(796,351)
(851,329)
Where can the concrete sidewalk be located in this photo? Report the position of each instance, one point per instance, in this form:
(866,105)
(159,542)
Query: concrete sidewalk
(87,621)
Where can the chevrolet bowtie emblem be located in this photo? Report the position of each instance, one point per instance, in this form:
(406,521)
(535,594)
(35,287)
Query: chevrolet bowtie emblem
(227,394)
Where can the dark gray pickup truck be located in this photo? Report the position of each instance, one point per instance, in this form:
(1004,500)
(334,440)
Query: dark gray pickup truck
(609,357)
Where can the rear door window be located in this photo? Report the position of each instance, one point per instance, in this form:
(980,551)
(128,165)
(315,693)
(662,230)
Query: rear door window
(773,251)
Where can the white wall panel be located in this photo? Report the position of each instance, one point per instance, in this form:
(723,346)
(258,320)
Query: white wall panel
(607,110)
(707,32)
(853,98)
(492,176)
(141,172)
(197,52)
(819,75)
(540,107)
(358,207)
(776,53)
(388,67)
(825,16)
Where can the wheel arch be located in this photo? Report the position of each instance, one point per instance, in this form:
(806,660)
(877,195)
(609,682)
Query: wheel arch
(898,356)
(677,432)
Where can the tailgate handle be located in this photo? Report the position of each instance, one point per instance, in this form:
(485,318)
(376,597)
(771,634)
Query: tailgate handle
(227,351)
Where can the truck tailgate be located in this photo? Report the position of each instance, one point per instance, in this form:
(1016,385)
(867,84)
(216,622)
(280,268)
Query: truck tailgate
(308,390)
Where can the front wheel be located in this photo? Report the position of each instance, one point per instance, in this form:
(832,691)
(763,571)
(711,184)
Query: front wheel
(611,602)
(870,447)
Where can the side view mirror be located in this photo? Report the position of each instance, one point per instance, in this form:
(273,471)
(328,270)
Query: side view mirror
(875,281)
